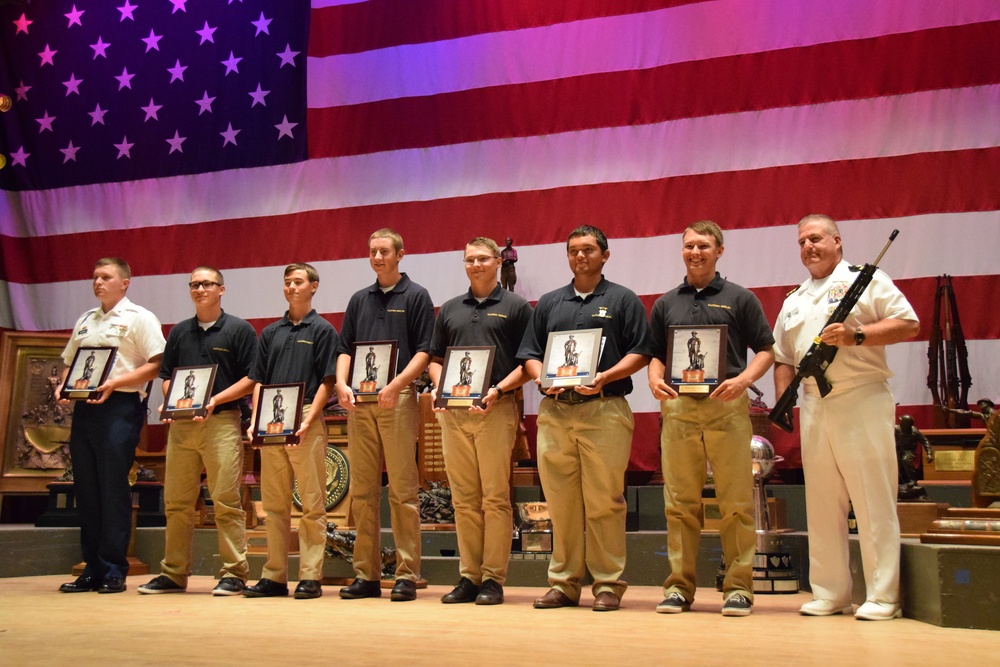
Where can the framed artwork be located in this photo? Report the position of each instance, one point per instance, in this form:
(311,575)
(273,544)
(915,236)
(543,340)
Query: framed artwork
(89,370)
(571,358)
(279,414)
(373,366)
(190,391)
(696,358)
(465,376)
(34,428)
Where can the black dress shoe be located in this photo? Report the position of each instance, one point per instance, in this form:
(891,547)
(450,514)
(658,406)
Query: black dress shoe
(490,593)
(83,584)
(404,591)
(465,591)
(308,589)
(265,588)
(361,588)
(112,585)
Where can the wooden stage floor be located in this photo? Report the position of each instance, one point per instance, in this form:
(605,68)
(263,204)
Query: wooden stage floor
(39,626)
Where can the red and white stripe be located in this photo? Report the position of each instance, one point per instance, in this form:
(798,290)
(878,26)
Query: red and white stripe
(525,119)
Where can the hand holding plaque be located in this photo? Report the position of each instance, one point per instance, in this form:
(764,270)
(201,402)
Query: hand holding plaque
(279,414)
(373,366)
(89,370)
(571,358)
(696,358)
(465,376)
(190,391)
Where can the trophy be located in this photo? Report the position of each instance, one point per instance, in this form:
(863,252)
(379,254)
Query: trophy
(535,528)
(773,568)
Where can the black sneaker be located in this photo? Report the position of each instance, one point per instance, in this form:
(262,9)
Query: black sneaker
(737,604)
(161,584)
(465,591)
(229,586)
(674,603)
(265,588)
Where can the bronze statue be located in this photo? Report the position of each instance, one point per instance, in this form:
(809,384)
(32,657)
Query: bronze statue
(909,439)
(508,258)
(986,470)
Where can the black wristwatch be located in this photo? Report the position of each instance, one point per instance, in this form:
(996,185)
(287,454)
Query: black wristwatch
(859,336)
(499,390)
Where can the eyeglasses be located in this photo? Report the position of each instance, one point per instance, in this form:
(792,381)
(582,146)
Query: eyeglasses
(470,261)
(204,284)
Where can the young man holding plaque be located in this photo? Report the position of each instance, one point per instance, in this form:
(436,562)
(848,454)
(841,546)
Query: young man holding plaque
(213,442)
(478,440)
(848,443)
(585,432)
(300,347)
(106,429)
(710,426)
(397,309)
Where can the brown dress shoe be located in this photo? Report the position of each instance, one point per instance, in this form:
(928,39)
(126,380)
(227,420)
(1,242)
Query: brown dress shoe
(554,599)
(606,601)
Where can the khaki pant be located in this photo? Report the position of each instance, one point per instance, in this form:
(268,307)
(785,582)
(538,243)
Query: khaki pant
(477,451)
(371,432)
(583,451)
(697,431)
(215,446)
(305,463)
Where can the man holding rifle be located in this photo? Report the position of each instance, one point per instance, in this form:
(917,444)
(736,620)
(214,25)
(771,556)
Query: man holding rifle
(848,448)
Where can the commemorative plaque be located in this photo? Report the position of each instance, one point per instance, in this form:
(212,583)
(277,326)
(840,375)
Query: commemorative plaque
(373,366)
(90,368)
(571,358)
(696,358)
(190,391)
(279,414)
(465,376)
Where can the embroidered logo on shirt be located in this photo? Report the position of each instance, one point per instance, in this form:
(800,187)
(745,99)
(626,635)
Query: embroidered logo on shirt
(718,305)
(118,330)
(602,312)
(395,310)
(500,315)
(303,340)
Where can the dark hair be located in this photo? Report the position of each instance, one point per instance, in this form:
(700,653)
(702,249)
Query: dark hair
(589,230)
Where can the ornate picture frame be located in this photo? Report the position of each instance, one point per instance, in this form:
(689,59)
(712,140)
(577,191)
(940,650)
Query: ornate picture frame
(190,391)
(34,428)
(571,358)
(373,366)
(696,358)
(272,425)
(465,376)
(89,370)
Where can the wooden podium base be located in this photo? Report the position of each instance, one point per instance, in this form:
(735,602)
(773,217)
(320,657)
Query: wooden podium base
(978,526)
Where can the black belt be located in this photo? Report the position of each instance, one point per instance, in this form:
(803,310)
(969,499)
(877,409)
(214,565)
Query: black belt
(570,396)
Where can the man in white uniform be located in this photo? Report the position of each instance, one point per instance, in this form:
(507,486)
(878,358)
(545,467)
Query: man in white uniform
(848,447)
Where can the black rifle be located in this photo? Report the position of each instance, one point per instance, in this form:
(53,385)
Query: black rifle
(821,355)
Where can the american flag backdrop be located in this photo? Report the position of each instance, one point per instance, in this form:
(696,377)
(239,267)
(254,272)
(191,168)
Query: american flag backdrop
(246,134)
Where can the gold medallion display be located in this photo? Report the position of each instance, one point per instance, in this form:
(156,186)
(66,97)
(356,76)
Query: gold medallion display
(338,479)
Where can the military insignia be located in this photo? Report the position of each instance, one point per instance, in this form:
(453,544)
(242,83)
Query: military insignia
(837,292)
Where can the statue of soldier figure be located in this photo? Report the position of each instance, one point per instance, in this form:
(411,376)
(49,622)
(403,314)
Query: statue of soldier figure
(909,439)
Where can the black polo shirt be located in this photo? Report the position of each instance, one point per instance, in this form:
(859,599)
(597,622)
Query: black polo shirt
(404,314)
(499,320)
(611,307)
(230,342)
(721,302)
(303,352)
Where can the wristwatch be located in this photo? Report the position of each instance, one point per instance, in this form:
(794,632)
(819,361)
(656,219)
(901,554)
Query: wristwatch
(499,390)
(859,336)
